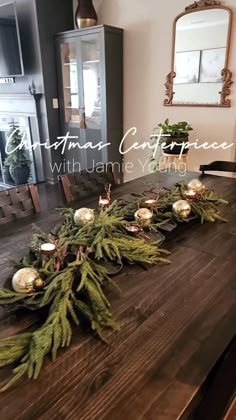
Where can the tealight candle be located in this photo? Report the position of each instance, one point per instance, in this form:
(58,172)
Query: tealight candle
(191,194)
(48,249)
(133,229)
(104,203)
(151,203)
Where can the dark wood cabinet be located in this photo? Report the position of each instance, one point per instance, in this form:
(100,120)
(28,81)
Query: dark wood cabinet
(90,74)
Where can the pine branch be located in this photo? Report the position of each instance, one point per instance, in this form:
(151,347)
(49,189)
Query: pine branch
(76,291)
(56,332)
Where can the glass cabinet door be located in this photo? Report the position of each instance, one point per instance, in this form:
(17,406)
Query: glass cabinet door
(69,60)
(91,67)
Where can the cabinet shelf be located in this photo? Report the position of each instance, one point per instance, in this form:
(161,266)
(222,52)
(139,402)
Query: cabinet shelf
(84,64)
(70,64)
(91,61)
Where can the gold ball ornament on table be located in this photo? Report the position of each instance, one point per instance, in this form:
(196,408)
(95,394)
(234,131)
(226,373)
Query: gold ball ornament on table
(27,280)
(144,217)
(182,209)
(39,284)
(196,185)
(84,216)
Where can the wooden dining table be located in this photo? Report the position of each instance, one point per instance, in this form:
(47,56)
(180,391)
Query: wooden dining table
(175,321)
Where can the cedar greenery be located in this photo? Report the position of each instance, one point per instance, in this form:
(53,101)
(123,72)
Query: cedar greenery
(75,276)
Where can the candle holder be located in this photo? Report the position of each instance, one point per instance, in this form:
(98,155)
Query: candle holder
(104,203)
(48,249)
(133,230)
(108,191)
(151,203)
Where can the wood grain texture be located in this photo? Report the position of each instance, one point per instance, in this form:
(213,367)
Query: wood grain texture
(231,415)
(176,321)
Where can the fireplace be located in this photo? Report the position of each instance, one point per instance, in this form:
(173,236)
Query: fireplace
(23,110)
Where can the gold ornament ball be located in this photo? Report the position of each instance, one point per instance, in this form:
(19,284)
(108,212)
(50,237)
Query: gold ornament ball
(38,284)
(190,194)
(196,185)
(182,209)
(144,217)
(24,279)
(84,216)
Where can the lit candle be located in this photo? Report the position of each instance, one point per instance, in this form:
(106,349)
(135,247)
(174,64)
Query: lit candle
(151,203)
(104,203)
(133,229)
(191,194)
(48,249)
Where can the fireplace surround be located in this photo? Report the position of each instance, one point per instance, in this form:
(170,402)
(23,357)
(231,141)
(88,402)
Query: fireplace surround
(23,110)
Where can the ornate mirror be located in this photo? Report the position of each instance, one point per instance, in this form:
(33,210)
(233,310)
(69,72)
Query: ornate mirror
(201,42)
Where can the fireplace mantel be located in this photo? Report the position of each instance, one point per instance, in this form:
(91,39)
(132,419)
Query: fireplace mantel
(15,106)
(20,103)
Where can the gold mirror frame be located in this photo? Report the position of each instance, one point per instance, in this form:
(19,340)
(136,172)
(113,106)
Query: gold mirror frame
(225,102)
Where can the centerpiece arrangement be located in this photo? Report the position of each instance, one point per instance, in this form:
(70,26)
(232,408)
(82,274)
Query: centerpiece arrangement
(64,276)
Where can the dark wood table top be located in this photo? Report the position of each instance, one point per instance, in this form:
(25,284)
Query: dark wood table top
(176,321)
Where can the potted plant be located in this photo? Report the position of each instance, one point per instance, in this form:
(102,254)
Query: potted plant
(174,136)
(6,173)
(17,162)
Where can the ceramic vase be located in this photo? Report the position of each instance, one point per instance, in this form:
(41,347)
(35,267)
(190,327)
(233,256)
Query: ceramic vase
(85,15)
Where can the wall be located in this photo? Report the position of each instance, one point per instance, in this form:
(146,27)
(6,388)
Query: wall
(53,16)
(27,19)
(147,61)
(39,21)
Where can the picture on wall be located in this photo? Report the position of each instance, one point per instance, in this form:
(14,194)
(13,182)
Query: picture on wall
(212,64)
(187,65)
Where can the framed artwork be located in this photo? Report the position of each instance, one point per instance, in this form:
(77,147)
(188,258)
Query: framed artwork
(187,67)
(212,64)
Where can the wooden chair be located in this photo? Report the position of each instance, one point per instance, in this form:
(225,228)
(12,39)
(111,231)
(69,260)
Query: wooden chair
(17,203)
(84,184)
(231,413)
(219,166)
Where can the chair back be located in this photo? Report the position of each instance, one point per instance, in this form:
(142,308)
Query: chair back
(219,166)
(85,184)
(17,203)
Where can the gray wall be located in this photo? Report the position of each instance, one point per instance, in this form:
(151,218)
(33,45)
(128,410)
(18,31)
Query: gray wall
(53,16)
(28,27)
(39,22)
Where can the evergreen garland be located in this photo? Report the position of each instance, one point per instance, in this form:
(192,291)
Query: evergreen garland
(75,277)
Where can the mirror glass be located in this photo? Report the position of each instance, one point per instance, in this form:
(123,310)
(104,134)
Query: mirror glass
(200,55)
